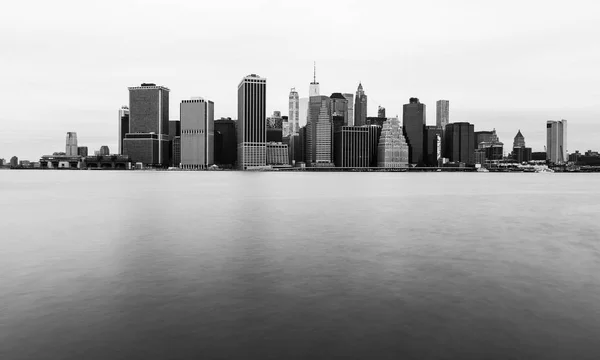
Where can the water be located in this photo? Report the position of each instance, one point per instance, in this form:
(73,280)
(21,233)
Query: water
(227,265)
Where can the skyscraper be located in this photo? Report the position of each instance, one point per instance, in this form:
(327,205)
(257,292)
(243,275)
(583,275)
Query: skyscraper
(433,145)
(392,150)
(226,148)
(303,112)
(314,86)
(339,106)
(71,147)
(460,138)
(442,114)
(252,122)
(381,112)
(413,125)
(294,112)
(275,127)
(123,126)
(556,141)
(174,131)
(197,133)
(318,132)
(519,140)
(350,99)
(360,107)
(147,141)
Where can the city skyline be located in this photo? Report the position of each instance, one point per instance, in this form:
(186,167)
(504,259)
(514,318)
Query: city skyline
(521,68)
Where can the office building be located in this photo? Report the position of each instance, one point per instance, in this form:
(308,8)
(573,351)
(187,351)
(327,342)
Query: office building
(14,162)
(252,122)
(360,107)
(460,147)
(485,137)
(174,131)
(275,127)
(413,125)
(433,145)
(71,146)
(294,111)
(519,140)
(372,120)
(350,98)
(318,132)
(556,141)
(104,150)
(303,111)
(176,151)
(285,126)
(123,126)
(226,145)
(522,154)
(278,154)
(295,149)
(82,151)
(197,133)
(352,147)
(147,141)
(339,107)
(392,150)
(314,89)
(442,114)
(381,112)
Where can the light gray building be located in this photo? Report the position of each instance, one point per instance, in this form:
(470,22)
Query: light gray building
(350,99)
(442,115)
(252,122)
(197,133)
(556,141)
(71,144)
(294,112)
(318,132)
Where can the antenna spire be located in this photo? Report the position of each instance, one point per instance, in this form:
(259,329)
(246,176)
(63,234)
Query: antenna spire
(315,72)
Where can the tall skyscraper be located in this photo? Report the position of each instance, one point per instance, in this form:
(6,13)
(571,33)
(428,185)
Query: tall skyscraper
(314,86)
(442,114)
(350,98)
(252,122)
(226,147)
(339,106)
(381,112)
(460,138)
(556,141)
(147,141)
(303,112)
(294,112)
(318,132)
(174,131)
(197,133)
(413,125)
(360,107)
(392,150)
(123,126)
(71,147)
(519,140)
(433,145)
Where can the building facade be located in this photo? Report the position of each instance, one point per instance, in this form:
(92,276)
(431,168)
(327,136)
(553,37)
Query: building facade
(197,133)
(104,150)
(381,112)
(352,147)
(360,107)
(123,126)
(556,141)
(225,143)
(460,139)
(277,154)
(433,145)
(252,122)
(294,111)
(275,127)
(392,150)
(413,125)
(519,140)
(442,114)
(147,141)
(71,144)
(318,132)
(350,98)
(339,106)
(174,130)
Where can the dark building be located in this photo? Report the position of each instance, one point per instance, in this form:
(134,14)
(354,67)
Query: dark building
(484,136)
(274,135)
(381,112)
(174,130)
(352,147)
(252,122)
(302,136)
(295,149)
(494,152)
(538,156)
(339,107)
(147,141)
(176,150)
(123,126)
(375,120)
(460,138)
(521,154)
(104,150)
(374,135)
(14,162)
(433,145)
(226,136)
(82,151)
(413,126)
(360,107)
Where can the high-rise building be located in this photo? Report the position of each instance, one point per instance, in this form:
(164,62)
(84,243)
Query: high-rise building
(71,147)
(147,141)
(303,111)
(318,132)
(381,112)
(556,141)
(123,126)
(174,130)
(252,122)
(350,98)
(285,126)
(275,127)
(176,150)
(413,125)
(519,140)
(277,154)
(197,133)
(352,147)
(442,114)
(460,138)
(314,85)
(339,106)
(360,107)
(294,111)
(104,150)
(295,149)
(392,150)
(433,145)
(490,144)
(226,146)
(82,151)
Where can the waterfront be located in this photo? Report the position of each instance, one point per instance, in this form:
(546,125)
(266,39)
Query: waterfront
(275,265)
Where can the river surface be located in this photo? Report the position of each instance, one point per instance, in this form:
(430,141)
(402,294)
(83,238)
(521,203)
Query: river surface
(230,265)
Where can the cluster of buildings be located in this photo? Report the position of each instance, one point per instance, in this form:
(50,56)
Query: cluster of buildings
(338,133)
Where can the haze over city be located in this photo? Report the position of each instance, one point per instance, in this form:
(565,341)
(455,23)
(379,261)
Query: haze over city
(513,65)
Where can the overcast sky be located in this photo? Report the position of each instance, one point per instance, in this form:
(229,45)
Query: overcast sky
(66,65)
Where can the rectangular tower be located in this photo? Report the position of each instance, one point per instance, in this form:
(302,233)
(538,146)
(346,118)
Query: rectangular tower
(556,141)
(197,133)
(318,132)
(71,146)
(252,122)
(350,99)
(442,114)
(123,126)
(460,139)
(413,125)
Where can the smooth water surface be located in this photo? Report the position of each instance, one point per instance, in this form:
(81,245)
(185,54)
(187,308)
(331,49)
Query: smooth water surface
(231,265)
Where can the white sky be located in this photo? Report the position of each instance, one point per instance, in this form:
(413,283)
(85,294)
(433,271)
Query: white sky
(66,65)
